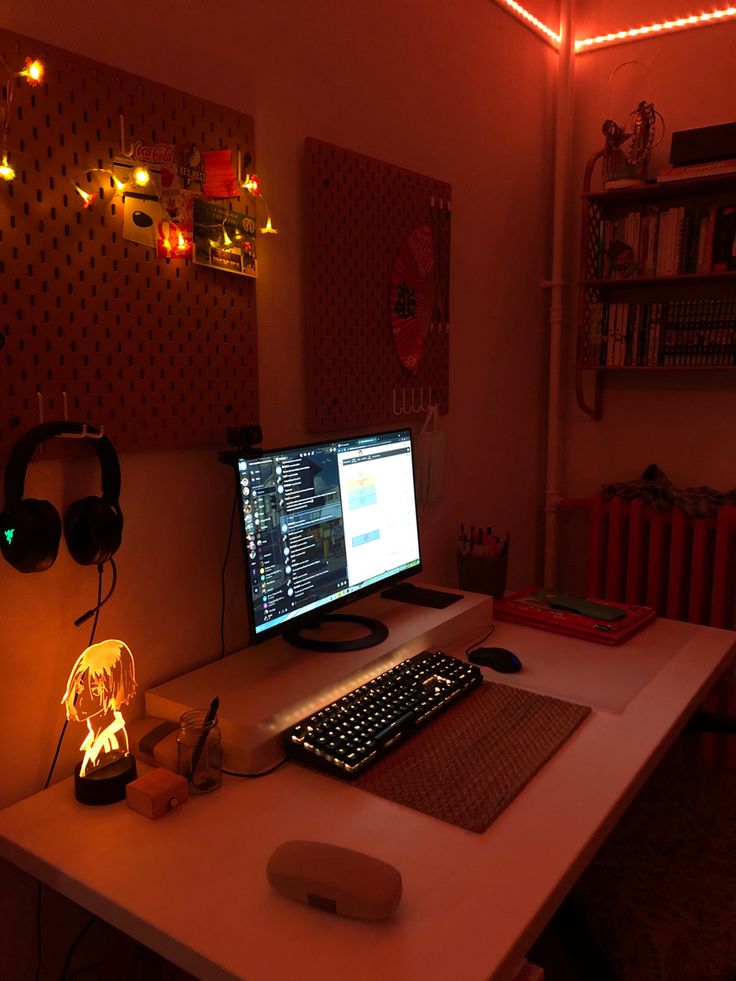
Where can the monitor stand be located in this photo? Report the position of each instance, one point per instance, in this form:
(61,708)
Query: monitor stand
(377,633)
(267,688)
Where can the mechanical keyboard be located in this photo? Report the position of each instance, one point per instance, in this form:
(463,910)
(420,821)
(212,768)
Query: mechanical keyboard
(352,732)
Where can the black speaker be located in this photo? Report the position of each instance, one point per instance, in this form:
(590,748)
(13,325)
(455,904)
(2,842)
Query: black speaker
(703,145)
(30,529)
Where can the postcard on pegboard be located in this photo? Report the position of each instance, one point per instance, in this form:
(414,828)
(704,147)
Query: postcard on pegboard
(224,239)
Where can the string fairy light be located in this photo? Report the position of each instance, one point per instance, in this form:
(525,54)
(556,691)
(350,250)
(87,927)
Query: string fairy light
(33,72)
(177,250)
(252,184)
(89,198)
(140,177)
(6,171)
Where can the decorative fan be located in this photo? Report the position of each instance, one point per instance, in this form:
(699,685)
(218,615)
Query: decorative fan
(412,295)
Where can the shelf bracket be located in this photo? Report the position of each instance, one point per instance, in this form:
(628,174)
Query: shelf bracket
(596,409)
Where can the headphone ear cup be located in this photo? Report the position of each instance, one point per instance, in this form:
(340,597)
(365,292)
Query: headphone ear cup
(93,531)
(31,532)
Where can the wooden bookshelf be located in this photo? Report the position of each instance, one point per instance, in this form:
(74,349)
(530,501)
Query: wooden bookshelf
(656,286)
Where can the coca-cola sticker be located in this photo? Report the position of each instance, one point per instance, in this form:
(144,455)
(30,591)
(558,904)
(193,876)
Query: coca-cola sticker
(153,153)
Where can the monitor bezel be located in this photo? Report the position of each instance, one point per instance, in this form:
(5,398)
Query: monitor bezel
(312,618)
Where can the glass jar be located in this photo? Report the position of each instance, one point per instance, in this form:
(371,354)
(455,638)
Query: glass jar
(199,751)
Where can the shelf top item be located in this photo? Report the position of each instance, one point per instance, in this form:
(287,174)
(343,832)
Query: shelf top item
(623,168)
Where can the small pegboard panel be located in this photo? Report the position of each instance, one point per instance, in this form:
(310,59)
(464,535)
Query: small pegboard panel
(160,351)
(377,290)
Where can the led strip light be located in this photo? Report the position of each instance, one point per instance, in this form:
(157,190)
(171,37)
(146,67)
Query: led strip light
(679,24)
(618,37)
(530,20)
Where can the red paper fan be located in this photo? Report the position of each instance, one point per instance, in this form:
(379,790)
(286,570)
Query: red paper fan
(412,296)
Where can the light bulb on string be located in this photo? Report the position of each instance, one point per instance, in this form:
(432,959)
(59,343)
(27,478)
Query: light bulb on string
(252,184)
(34,71)
(86,197)
(6,171)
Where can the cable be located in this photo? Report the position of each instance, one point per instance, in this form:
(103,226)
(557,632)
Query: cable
(96,613)
(477,643)
(222,573)
(100,602)
(254,776)
(65,976)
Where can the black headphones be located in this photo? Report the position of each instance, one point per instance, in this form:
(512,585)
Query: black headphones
(30,530)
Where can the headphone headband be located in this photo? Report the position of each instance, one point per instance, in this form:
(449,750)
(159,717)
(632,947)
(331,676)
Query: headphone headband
(22,452)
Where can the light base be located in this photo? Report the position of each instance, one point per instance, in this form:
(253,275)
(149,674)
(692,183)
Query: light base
(107,784)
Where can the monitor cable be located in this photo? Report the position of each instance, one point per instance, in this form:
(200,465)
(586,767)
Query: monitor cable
(223,570)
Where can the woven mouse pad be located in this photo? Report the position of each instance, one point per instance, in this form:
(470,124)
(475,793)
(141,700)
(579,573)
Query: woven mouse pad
(470,762)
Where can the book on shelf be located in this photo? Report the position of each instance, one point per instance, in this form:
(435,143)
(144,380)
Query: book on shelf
(724,239)
(667,241)
(712,168)
(681,333)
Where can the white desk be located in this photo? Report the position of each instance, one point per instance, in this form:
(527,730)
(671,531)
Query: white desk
(192,885)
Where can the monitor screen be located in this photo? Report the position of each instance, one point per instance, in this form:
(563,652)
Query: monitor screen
(323,524)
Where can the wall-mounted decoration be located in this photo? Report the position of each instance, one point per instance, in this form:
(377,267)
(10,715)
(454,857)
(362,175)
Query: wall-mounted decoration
(377,287)
(104,313)
(224,239)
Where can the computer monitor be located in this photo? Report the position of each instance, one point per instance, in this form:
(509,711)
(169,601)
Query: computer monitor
(324,524)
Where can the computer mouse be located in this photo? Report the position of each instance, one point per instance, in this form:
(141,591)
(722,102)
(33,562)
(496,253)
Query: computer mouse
(497,658)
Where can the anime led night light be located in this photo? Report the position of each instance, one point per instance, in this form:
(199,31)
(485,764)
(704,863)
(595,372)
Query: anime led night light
(101,682)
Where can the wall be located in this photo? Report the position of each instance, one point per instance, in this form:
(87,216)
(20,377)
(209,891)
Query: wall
(684,421)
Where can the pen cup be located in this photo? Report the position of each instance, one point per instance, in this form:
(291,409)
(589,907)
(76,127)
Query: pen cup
(482,574)
(199,751)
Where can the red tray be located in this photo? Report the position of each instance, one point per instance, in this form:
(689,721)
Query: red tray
(529,607)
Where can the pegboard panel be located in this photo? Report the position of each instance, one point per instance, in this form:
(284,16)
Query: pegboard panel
(360,214)
(159,351)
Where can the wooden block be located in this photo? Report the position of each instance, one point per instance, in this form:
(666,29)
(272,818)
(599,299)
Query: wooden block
(156,793)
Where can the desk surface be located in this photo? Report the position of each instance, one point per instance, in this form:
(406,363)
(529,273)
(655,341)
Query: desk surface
(192,885)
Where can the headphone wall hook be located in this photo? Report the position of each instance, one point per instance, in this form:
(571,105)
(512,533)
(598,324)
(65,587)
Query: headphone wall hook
(96,432)
(86,432)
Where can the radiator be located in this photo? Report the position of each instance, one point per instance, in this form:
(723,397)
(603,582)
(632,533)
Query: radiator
(682,566)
